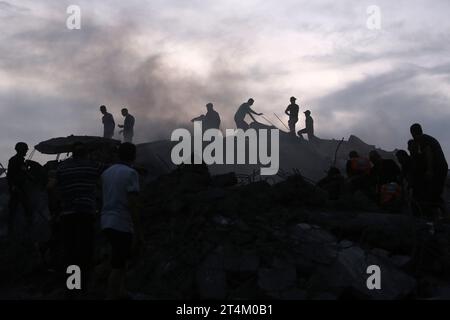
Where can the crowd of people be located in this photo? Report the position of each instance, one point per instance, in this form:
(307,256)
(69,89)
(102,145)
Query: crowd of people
(73,188)
(418,179)
(74,200)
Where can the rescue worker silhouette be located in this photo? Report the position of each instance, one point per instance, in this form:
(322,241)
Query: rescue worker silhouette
(128,126)
(244,110)
(292,111)
(211,120)
(309,127)
(109,124)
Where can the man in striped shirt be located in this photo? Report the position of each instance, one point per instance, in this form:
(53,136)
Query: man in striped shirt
(77,180)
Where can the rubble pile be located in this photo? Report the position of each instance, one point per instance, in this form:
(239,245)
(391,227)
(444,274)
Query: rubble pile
(209,237)
(208,240)
(216,235)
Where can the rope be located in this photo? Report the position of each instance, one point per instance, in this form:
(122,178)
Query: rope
(31,154)
(269,121)
(281,121)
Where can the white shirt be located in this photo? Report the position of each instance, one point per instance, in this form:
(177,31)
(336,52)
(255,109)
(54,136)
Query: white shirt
(118,181)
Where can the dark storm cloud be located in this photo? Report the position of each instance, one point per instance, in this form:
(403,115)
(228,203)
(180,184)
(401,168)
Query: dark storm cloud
(75,72)
(380,109)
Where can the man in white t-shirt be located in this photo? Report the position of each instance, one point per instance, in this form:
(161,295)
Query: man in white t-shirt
(120,217)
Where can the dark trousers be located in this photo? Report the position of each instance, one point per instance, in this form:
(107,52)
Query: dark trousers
(128,136)
(241,124)
(121,246)
(428,195)
(435,187)
(78,240)
(310,134)
(292,122)
(108,134)
(17,199)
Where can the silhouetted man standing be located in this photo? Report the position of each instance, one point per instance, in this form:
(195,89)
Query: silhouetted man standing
(108,123)
(76,183)
(120,216)
(128,126)
(244,110)
(17,177)
(435,164)
(211,120)
(292,111)
(309,127)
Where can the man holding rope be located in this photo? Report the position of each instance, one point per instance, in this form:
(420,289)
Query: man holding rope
(244,110)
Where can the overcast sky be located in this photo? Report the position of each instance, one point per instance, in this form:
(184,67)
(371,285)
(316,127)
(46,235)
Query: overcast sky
(165,59)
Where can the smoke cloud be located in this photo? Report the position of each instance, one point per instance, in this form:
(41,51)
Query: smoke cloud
(164,60)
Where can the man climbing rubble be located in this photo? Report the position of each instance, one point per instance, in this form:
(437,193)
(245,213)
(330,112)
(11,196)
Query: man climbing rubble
(244,110)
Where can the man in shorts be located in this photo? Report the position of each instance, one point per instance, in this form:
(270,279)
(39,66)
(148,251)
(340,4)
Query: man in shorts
(120,217)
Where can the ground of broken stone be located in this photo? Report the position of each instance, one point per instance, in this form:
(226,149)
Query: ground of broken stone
(208,238)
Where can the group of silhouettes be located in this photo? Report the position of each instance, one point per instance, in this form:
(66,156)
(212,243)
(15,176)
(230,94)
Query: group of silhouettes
(419,180)
(73,202)
(109,125)
(211,120)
